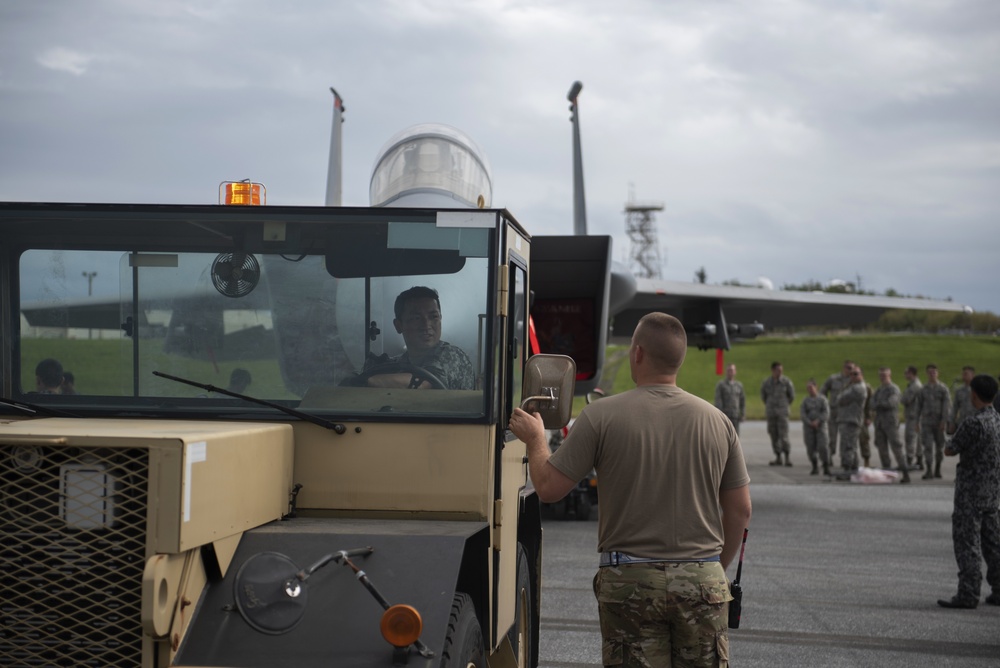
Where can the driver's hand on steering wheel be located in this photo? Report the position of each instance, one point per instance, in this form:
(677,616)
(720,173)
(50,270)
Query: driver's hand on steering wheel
(396,380)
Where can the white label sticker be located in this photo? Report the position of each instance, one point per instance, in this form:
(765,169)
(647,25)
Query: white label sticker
(194,453)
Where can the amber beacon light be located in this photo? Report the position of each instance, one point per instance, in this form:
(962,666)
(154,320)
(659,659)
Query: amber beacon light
(242,193)
(401,625)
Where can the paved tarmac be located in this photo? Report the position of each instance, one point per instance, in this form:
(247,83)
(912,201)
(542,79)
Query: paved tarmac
(836,574)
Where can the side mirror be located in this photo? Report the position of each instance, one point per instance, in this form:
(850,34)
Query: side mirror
(548,388)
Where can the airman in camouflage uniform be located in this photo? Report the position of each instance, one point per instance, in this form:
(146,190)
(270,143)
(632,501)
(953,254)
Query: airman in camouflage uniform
(961,405)
(831,389)
(815,413)
(418,319)
(911,413)
(864,438)
(850,417)
(778,393)
(975,522)
(730,398)
(935,406)
(886,404)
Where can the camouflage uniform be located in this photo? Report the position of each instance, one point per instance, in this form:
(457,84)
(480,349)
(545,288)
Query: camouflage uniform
(961,406)
(864,438)
(934,409)
(886,404)
(975,522)
(831,389)
(778,396)
(816,408)
(449,363)
(850,417)
(731,400)
(911,413)
(660,604)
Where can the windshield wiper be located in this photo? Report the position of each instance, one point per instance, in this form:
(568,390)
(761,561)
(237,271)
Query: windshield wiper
(34,409)
(326,424)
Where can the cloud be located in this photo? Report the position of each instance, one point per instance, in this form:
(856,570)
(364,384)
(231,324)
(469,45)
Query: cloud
(65,60)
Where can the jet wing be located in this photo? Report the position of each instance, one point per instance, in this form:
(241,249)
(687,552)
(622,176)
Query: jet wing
(715,314)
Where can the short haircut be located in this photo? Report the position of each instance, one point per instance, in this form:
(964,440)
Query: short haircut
(68,377)
(848,362)
(416,292)
(884,368)
(811,381)
(664,340)
(775,365)
(969,368)
(932,366)
(985,387)
(911,369)
(50,372)
(240,377)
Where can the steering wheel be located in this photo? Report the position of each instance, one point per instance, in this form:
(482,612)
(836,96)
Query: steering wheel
(418,375)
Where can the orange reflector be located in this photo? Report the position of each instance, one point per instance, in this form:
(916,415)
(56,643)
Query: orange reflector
(242,193)
(401,625)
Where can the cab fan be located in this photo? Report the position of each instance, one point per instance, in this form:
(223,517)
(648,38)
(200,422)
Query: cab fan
(235,274)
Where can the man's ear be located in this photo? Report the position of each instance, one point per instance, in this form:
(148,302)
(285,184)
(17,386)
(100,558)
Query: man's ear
(398,325)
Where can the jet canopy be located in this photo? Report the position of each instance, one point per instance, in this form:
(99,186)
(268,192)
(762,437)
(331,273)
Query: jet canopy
(431,165)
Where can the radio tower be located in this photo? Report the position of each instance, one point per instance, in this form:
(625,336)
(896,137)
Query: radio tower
(640,225)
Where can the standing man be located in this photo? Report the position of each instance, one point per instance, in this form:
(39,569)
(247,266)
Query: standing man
(831,389)
(661,588)
(975,522)
(815,413)
(730,398)
(778,393)
(911,413)
(961,406)
(934,408)
(886,404)
(850,418)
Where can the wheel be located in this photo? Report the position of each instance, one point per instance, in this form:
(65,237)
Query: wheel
(418,374)
(463,646)
(520,634)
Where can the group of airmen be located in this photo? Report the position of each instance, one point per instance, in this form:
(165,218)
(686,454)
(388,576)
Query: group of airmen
(845,405)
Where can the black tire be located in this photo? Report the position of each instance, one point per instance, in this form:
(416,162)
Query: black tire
(463,646)
(523,626)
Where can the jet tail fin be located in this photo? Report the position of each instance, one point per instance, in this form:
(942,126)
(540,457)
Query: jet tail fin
(334,171)
(579,203)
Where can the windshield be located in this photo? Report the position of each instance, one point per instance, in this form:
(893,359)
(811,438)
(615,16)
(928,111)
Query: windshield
(363,318)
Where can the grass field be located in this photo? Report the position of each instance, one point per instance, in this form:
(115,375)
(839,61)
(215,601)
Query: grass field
(806,357)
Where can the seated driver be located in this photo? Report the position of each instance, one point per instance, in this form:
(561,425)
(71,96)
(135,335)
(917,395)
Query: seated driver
(418,319)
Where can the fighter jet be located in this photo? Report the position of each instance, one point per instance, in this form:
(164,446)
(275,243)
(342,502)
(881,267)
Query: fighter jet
(715,315)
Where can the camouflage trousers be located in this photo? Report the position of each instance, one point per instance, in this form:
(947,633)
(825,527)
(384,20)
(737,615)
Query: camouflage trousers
(864,441)
(886,436)
(777,429)
(849,436)
(976,535)
(831,427)
(664,614)
(815,439)
(932,440)
(911,432)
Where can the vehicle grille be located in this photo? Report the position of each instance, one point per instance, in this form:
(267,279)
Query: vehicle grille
(72,555)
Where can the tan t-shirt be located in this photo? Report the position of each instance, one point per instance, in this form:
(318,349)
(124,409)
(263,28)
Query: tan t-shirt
(661,457)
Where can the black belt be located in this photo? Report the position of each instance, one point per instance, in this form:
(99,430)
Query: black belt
(615,558)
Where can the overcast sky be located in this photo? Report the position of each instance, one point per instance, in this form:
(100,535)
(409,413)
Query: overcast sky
(793,140)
